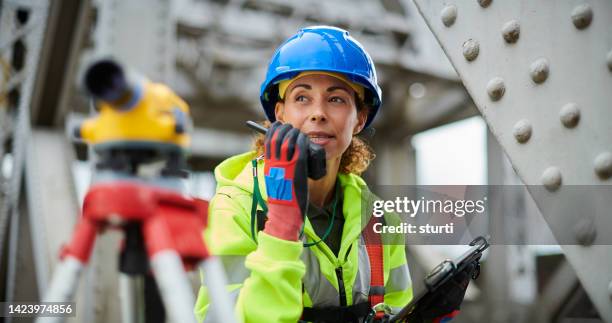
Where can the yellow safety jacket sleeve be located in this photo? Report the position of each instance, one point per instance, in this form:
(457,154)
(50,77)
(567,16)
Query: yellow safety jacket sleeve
(273,292)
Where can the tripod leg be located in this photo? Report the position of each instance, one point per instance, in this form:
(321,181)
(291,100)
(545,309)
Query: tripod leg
(67,272)
(214,278)
(63,285)
(173,285)
(131,294)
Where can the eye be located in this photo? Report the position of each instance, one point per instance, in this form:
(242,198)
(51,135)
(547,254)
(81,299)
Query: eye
(301,98)
(337,99)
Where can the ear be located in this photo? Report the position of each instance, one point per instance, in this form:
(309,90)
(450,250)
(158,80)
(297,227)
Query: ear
(279,111)
(362,117)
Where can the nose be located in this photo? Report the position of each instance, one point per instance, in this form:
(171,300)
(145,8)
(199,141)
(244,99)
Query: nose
(318,113)
(317,117)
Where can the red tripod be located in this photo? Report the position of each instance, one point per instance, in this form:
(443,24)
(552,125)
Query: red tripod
(162,228)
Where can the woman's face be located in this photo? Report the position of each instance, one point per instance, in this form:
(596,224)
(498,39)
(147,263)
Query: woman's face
(324,108)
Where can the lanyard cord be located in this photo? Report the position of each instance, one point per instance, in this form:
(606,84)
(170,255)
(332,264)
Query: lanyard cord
(258,201)
(331,223)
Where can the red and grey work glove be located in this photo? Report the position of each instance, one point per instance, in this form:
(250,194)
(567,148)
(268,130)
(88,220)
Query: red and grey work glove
(286,180)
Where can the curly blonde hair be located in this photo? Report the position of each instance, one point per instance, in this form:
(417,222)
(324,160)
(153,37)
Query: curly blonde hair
(355,159)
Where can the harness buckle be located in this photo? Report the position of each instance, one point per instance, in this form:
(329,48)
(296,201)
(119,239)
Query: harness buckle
(379,311)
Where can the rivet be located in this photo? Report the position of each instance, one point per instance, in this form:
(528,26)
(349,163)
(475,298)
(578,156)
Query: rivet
(471,48)
(522,131)
(449,15)
(570,115)
(496,88)
(484,3)
(582,16)
(511,31)
(603,165)
(551,178)
(539,70)
(609,59)
(585,231)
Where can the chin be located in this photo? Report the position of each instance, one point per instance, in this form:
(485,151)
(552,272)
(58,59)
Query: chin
(332,154)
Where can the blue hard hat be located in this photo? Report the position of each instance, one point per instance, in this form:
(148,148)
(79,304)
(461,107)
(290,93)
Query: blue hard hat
(321,48)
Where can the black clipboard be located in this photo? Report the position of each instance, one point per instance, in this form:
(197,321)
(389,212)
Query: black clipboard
(443,272)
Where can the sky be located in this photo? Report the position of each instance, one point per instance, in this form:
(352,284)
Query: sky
(453,154)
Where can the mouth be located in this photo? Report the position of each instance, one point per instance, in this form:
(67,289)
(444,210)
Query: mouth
(319,137)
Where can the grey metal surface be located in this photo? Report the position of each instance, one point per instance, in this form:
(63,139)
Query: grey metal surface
(65,35)
(509,272)
(25,278)
(229,58)
(562,283)
(140,33)
(52,201)
(9,210)
(545,96)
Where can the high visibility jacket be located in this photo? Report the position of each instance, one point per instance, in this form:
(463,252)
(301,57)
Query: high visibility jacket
(273,279)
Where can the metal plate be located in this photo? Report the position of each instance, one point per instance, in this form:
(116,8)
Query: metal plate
(545,96)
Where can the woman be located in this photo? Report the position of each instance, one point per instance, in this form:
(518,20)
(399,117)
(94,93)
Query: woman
(310,261)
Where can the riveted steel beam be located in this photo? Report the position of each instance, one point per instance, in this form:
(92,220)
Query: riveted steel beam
(539,73)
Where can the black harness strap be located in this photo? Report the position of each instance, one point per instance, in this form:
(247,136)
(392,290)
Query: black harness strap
(350,313)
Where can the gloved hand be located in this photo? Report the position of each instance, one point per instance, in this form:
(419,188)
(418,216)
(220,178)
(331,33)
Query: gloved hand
(444,303)
(286,180)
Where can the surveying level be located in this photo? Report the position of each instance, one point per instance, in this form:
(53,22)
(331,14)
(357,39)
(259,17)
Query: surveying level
(140,123)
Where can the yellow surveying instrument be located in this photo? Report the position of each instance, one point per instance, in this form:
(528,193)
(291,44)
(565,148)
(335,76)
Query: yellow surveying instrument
(141,123)
(132,110)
